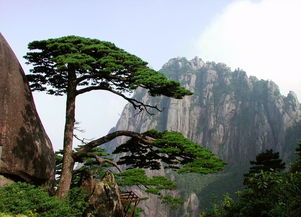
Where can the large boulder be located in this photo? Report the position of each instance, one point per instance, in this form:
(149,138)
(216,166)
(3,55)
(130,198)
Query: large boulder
(26,153)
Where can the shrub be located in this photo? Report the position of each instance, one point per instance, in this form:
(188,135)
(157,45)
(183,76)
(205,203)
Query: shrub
(32,201)
(8,215)
(77,202)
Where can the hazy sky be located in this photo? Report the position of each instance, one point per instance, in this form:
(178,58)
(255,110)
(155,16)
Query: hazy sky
(260,36)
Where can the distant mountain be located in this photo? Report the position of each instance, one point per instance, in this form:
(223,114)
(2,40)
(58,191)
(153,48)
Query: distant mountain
(233,115)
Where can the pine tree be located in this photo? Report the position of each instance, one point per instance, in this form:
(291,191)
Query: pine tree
(75,65)
(265,161)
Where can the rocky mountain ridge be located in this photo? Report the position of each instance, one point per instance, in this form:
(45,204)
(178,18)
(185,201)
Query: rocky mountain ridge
(233,115)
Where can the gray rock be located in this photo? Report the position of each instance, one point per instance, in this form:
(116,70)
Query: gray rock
(233,115)
(26,152)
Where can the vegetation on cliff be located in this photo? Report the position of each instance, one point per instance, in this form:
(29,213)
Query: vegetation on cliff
(268,193)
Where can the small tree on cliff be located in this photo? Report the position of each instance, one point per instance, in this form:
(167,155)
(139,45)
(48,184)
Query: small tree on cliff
(74,65)
(267,161)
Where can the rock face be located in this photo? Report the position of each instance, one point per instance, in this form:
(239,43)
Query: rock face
(233,115)
(26,152)
(104,197)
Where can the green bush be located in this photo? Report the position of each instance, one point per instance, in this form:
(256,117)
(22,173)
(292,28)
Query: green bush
(8,215)
(77,202)
(32,201)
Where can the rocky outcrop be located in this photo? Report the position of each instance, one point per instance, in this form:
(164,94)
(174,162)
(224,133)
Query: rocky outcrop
(26,152)
(104,197)
(191,205)
(233,115)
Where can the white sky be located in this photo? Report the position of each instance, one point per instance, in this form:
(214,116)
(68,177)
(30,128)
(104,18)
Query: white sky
(261,37)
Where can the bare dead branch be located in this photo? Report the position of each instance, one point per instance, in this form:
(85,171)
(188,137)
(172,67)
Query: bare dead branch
(83,140)
(135,103)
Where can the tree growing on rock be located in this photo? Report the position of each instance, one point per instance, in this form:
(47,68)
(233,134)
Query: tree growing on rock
(75,65)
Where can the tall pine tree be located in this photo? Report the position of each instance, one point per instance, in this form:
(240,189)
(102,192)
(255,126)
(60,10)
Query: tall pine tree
(75,65)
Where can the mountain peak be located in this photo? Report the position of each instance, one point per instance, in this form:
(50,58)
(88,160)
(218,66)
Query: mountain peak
(196,63)
(233,115)
(177,64)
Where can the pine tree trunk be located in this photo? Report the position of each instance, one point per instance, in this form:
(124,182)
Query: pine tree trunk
(68,161)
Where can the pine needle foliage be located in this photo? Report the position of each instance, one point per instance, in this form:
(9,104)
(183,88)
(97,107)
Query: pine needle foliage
(267,161)
(173,150)
(87,166)
(97,65)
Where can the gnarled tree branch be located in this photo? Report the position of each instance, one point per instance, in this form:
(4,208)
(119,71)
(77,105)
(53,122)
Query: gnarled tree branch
(103,160)
(84,150)
(136,104)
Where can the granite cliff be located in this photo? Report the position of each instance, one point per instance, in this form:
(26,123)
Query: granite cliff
(233,115)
